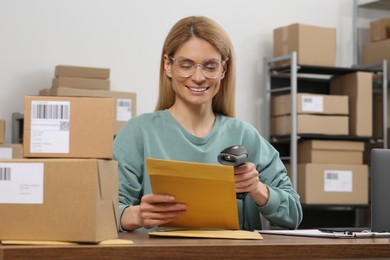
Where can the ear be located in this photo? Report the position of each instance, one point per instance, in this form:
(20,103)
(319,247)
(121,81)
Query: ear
(223,72)
(167,66)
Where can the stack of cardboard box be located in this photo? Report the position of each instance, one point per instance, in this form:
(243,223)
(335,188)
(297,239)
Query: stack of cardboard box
(316,114)
(92,82)
(66,189)
(332,172)
(8,150)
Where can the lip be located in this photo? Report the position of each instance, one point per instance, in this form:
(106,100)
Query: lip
(198,89)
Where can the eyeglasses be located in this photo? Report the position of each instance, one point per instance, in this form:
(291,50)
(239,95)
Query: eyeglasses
(210,68)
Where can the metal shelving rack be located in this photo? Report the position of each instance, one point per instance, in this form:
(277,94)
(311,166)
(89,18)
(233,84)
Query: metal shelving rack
(292,73)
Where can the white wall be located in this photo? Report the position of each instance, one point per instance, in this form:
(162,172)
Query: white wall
(127,36)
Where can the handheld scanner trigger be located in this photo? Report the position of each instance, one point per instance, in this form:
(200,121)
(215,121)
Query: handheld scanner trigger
(235,155)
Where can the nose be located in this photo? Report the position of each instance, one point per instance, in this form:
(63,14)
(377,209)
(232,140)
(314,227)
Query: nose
(198,73)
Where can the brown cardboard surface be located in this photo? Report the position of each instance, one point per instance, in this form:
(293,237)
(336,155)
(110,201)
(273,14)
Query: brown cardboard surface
(376,52)
(310,124)
(16,150)
(2,131)
(311,184)
(358,86)
(326,151)
(82,72)
(90,130)
(83,83)
(80,203)
(315,45)
(129,98)
(310,104)
(378,115)
(379,29)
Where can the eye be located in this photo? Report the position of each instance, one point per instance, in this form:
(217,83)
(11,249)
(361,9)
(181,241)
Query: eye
(211,65)
(186,64)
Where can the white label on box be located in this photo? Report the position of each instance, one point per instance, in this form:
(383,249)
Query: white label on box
(312,103)
(123,109)
(50,127)
(337,181)
(5,153)
(21,183)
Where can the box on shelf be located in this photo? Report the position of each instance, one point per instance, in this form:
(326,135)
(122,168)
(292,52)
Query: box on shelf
(310,124)
(83,83)
(82,72)
(67,200)
(11,151)
(380,29)
(125,103)
(68,127)
(333,184)
(358,86)
(314,45)
(2,131)
(327,151)
(310,104)
(378,115)
(376,52)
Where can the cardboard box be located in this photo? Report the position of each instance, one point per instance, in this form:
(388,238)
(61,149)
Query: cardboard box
(378,115)
(68,127)
(66,200)
(82,72)
(310,124)
(336,152)
(333,184)
(379,29)
(310,104)
(376,52)
(314,45)
(2,131)
(358,86)
(125,103)
(83,83)
(11,151)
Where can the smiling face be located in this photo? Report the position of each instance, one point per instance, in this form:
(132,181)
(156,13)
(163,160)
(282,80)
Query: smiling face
(197,89)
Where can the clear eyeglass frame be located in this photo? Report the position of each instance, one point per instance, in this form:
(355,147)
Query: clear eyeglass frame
(187,70)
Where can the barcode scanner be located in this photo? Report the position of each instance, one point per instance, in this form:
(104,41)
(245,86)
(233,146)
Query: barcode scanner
(235,155)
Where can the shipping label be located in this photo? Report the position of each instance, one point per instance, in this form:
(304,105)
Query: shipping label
(337,181)
(21,183)
(123,109)
(312,103)
(50,127)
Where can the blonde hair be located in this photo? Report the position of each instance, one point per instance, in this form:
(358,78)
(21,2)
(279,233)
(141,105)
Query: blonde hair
(208,30)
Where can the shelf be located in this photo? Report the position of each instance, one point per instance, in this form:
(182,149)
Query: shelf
(330,71)
(287,138)
(378,4)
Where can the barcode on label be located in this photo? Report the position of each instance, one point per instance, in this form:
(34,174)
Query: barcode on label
(5,174)
(332,176)
(307,99)
(50,111)
(124,103)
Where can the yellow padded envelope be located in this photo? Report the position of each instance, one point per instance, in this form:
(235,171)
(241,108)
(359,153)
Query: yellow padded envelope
(207,189)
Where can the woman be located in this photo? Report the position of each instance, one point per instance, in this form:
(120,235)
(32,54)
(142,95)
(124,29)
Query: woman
(194,121)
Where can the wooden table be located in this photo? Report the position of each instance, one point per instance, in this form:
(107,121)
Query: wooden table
(271,247)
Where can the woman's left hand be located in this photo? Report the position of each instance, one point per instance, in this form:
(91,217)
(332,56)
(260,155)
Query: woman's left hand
(247,180)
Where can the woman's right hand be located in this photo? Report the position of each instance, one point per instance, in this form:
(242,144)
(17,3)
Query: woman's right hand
(154,210)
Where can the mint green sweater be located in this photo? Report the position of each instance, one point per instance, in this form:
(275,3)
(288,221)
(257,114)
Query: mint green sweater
(159,135)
